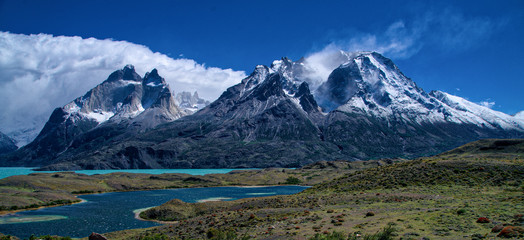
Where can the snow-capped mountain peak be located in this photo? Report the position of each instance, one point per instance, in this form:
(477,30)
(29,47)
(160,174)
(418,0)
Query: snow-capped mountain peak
(124,99)
(268,88)
(123,95)
(152,79)
(271,118)
(190,103)
(289,71)
(369,83)
(126,74)
(116,95)
(256,77)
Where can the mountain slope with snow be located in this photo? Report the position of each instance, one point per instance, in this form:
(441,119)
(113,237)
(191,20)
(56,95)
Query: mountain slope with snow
(7,144)
(520,115)
(266,120)
(466,112)
(365,109)
(372,84)
(376,111)
(124,101)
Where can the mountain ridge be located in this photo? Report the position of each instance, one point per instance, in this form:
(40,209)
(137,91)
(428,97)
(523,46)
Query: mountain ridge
(124,103)
(366,109)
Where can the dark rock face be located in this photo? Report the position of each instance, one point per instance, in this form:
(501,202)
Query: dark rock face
(307,101)
(366,137)
(7,144)
(127,73)
(340,86)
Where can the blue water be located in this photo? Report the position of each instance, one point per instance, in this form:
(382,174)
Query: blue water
(11,171)
(110,212)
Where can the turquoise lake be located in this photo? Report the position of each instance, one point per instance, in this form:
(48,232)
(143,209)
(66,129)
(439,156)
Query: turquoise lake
(110,212)
(11,171)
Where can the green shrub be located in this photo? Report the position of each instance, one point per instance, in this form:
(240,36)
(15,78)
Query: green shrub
(82,192)
(158,236)
(461,211)
(216,234)
(293,180)
(330,236)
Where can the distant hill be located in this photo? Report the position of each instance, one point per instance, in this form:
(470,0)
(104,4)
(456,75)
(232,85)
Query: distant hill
(488,149)
(494,162)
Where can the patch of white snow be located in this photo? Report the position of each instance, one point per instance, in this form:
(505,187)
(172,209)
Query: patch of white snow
(99,116)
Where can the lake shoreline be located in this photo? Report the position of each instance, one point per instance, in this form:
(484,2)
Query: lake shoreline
(6,172)
(137,213)
(8,212)
(119,211)
(46,188)
(4,213)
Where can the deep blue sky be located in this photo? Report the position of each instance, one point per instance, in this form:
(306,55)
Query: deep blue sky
(473,49)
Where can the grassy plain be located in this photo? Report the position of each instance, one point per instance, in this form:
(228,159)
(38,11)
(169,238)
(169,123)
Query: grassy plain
(466,193)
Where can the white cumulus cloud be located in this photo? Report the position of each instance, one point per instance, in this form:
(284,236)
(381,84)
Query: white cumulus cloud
(41,72)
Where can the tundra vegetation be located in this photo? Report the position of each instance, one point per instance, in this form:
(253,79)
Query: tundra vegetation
(472,192)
